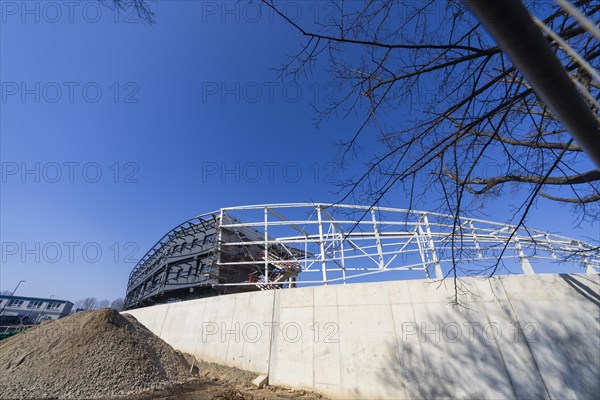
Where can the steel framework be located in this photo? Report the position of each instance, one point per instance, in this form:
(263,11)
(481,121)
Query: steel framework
(269,246)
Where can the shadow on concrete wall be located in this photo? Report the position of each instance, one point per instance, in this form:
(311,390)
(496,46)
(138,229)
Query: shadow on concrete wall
(428,367)
(584,286)
(551,351)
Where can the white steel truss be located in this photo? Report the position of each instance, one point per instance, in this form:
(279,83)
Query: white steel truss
(336,243)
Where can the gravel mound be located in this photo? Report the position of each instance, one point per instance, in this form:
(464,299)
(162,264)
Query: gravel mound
(93,354)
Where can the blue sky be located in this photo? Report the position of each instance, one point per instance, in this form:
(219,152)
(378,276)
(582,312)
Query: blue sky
(161,112)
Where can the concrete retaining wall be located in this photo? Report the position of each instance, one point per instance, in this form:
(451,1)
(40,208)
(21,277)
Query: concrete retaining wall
(520,336)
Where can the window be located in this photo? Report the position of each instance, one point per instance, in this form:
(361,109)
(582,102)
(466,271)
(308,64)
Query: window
(35,304)
(15,303)
(53,306)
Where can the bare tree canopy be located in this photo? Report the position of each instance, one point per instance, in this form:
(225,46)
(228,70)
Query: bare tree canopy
(89,303)
(452,115)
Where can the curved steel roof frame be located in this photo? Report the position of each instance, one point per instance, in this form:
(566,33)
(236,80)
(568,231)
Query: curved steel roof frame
(340,243)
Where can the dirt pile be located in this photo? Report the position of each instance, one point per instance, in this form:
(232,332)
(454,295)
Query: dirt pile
(95,354)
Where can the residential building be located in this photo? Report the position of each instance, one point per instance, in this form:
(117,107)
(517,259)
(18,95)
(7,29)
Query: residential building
(33,309)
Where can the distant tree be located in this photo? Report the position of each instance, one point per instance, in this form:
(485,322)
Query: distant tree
(104,303)
(89,303)
(5,293)
(117,304)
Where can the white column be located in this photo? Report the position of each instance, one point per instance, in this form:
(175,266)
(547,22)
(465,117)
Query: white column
(322,245)
(436,263)
(377,239)
(525,264)
(266,245)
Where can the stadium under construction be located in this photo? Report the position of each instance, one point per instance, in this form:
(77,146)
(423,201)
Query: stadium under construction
(273,246)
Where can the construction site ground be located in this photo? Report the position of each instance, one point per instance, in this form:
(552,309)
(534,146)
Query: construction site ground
(218,382)
(105,355)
